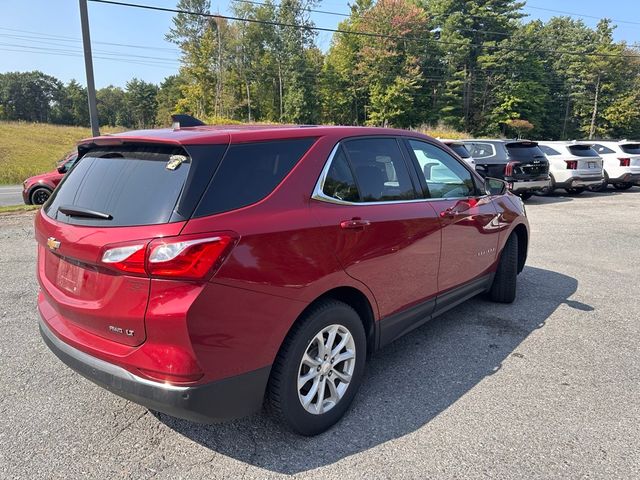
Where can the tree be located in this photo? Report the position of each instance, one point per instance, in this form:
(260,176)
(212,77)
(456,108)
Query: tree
(141,103)
(112,106)
(31,96)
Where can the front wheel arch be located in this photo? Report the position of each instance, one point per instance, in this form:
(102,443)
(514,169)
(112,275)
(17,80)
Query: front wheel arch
(523,245)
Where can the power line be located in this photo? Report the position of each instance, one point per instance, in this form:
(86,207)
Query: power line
(360,33)
(573,14)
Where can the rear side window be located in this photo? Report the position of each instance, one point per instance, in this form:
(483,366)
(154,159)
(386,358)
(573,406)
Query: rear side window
(602,149)
(548,150)
(249,172)
(481,149)
(582,151)
(137,185)
(379,168)
(631,148)
(524,151)
(460,149)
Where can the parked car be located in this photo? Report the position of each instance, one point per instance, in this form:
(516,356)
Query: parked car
(196,270)
(621,163)
(572,166)
(460,149)
(37,190)
(520,163)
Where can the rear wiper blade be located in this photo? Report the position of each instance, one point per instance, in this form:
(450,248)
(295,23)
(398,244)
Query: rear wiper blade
(74,211)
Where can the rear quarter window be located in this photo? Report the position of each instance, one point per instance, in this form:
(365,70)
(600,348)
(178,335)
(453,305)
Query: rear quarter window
(460,149)
(481,150)
(548,150)
(602,149)
(249,172)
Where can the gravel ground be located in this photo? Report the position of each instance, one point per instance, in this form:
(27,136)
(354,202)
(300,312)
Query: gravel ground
(548,387)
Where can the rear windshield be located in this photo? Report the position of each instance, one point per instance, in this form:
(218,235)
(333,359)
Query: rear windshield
(631,148)
(582,151)
(249,172)
(460,149)
(524,151)
(137,185)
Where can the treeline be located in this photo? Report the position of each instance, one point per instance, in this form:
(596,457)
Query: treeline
(471,65)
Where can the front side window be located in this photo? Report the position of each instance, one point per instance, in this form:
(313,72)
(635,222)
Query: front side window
(379,170)
(444,175)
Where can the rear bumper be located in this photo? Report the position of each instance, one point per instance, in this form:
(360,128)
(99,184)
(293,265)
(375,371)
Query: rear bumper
(580,181)
(626,178)
(221,400)
(524,186)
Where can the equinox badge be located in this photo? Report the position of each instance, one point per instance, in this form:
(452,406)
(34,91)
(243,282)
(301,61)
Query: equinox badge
(52,243)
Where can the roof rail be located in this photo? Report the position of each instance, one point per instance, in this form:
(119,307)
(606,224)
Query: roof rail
(182,120)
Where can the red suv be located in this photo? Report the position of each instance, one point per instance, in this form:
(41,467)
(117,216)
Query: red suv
(196,270)
(37,190)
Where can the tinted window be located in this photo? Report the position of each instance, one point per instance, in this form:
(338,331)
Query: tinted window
(136,186)
(249,172)
(481,150)
(524,151)
(582,151)
(548,150)
(444,175)
(339,182)
(460,149)
(380,170)
(602,149)
(631,148)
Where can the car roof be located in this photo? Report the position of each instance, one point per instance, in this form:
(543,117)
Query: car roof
(210,134)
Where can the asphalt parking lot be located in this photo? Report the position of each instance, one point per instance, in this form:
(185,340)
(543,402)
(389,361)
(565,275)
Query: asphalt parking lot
(548,387)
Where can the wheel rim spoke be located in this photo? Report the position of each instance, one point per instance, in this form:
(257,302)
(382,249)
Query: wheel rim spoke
(326,369)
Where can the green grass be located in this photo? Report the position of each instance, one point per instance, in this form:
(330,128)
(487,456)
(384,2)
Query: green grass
(28,149)
(18,208)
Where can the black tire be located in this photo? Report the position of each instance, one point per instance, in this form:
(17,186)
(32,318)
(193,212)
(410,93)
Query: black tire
(40,195)
(283,390)
(574,190)
(503,288)
(622,186)
(547,190)
(525,195)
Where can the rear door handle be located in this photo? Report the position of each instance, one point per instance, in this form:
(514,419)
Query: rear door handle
(354,224)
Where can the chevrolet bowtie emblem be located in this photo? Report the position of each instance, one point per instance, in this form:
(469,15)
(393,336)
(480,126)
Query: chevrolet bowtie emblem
(52,243)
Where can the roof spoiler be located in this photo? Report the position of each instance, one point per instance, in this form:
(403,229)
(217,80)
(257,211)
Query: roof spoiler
(180,120)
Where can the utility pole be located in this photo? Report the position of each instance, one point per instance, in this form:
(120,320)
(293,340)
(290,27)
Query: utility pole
(88,65)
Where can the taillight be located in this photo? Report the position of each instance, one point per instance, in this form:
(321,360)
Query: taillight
(572,164)
(190,257)
(187,258)
(625,162)
(508,168)
(127,258)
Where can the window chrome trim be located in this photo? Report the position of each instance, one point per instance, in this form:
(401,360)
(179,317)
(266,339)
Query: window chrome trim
(319,195)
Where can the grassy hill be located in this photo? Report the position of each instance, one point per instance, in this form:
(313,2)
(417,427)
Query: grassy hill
(30,148)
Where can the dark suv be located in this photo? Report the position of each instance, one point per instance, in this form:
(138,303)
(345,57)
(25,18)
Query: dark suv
(196,270)
(520,163)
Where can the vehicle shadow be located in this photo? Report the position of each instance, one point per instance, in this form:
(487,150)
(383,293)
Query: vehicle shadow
(407,384)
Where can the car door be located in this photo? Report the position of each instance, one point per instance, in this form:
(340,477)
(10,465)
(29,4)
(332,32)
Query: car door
(469,219)
(383,233)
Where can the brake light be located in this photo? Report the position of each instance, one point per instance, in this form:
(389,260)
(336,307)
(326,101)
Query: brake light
(127,258)
(572,164)
(625,162)
(190,257)
(508,168)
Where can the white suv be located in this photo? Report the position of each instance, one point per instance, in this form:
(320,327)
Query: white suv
(621,163)
(572,166)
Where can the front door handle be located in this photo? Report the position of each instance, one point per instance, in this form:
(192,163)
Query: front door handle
(448,213)
(354,224)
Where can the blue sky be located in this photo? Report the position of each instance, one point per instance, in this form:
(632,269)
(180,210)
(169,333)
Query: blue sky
(130,42)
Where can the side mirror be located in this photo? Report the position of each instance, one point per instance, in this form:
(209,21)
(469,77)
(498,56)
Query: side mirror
(62,169)
(495,186)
